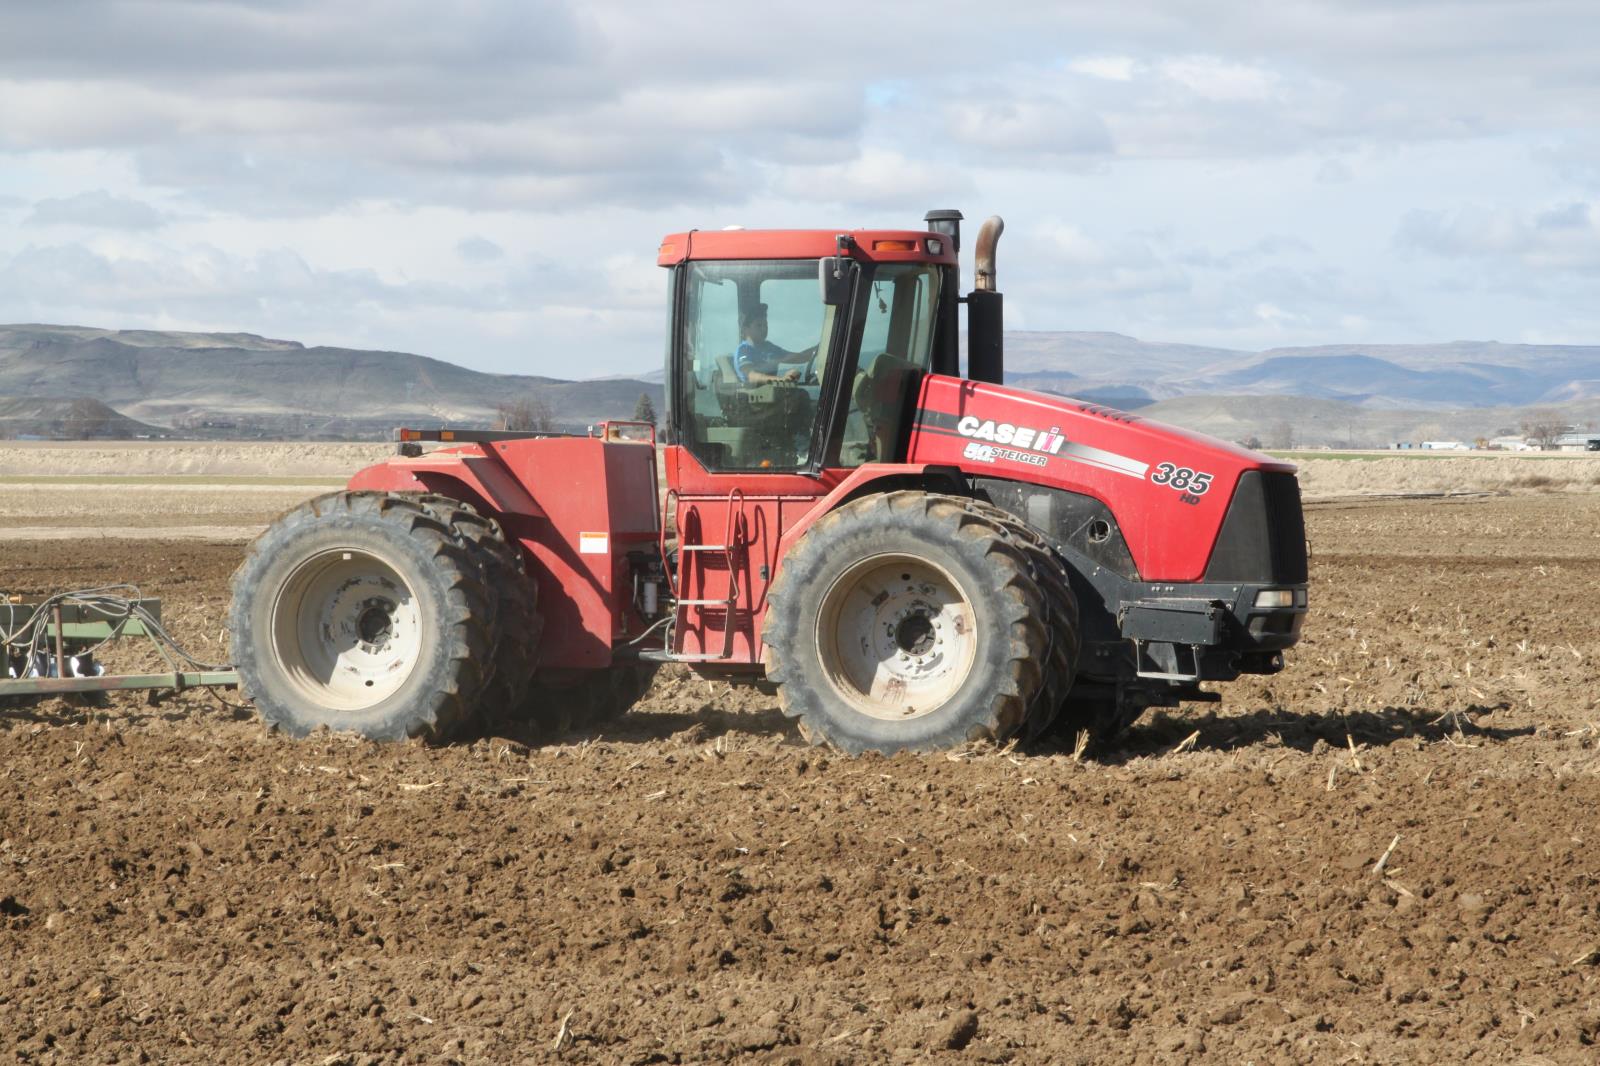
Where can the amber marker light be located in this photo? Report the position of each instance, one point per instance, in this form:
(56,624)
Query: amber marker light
(894,246)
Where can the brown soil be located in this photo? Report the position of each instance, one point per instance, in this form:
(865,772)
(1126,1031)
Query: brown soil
(1443,474)
(1383,854)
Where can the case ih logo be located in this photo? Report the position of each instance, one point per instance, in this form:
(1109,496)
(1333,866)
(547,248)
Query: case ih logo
(1024,444)
(1029,446)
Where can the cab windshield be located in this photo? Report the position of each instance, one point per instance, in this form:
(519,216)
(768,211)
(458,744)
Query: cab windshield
(756,338)
(758,351)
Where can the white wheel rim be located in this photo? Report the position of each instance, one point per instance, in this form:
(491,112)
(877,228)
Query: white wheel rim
(897,637)
(347,631)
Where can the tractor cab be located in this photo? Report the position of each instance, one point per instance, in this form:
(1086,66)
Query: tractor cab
(800,351)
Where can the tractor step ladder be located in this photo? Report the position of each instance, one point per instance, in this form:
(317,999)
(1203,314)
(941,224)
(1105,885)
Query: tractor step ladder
(730,605)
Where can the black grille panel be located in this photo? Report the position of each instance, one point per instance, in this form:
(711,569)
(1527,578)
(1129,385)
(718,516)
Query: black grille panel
(1263,537)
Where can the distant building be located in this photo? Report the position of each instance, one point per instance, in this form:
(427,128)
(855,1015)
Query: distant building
(1446,446)
(1587,441)
(1512,444)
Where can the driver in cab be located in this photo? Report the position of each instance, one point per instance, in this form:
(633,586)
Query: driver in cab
(757,360)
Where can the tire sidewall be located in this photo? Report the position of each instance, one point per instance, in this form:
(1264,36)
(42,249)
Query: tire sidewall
(281,551)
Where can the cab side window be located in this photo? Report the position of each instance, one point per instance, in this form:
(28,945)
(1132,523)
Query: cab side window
(896,346)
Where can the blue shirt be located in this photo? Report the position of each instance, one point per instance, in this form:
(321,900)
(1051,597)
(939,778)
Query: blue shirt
(752,356)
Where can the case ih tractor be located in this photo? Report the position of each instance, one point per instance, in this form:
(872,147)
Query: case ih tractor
(915,558)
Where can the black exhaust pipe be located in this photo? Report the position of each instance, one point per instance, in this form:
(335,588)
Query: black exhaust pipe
(986,359)
(947,336)
(946,223)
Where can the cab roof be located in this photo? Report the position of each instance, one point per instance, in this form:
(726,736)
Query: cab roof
(875,245)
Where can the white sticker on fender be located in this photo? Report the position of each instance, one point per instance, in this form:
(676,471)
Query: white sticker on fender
(593,543)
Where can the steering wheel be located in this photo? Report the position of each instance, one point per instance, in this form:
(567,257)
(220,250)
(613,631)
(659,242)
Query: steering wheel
(806,375)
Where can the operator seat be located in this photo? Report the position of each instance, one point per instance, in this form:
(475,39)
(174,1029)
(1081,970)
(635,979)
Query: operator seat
(878,398)
(733,437)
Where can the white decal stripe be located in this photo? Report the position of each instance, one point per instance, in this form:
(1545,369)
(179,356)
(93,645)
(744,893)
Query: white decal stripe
(1101,466)
(1109,460)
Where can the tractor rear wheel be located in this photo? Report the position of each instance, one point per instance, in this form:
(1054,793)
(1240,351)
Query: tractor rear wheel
(906,621)
(518,623)
(363,611)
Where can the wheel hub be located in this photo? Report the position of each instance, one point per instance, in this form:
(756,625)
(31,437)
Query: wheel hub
(347,629)
(897,637)
(915,634)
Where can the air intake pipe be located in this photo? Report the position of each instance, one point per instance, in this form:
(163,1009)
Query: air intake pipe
(986,310)
(946,222)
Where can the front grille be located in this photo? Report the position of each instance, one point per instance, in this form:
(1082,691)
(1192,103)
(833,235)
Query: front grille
(1263,537)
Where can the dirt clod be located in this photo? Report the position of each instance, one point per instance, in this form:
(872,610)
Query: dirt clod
(959,1033)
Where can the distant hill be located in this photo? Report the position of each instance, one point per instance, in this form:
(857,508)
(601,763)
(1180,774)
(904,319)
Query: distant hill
(1110,357)
(1415,376)
(1365,395)
(240,380)
(79,418)
(1298,421)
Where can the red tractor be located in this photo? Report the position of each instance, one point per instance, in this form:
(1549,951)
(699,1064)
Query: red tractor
(915,558)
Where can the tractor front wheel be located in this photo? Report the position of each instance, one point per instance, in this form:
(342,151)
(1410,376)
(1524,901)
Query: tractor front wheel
(906,621)
(362,611)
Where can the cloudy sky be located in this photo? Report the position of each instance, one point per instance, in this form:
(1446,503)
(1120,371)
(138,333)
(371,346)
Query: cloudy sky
(486,181)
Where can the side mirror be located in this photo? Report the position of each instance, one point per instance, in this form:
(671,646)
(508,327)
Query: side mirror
(834,277)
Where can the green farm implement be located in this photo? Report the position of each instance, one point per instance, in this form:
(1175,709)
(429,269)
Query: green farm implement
(51,646)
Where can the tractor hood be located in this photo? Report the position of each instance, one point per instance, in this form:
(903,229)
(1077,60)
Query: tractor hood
(1169,488)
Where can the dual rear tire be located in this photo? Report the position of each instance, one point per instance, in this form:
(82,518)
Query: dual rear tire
(363,611)
(387,614)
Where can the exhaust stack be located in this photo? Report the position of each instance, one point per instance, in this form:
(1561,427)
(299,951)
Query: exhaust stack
(986,310)
(946,223)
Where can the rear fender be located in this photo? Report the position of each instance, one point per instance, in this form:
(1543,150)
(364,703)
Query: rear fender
(467,473)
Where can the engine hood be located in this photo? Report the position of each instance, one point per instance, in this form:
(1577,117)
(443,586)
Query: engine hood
(1168,488)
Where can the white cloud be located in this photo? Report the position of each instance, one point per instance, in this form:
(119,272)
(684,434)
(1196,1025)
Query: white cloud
(95,210)
(1561,238)
(1108,68)
(476,249)
(1038,131)
(1081,266)
(876,180)
(1214,78)
(1334,172)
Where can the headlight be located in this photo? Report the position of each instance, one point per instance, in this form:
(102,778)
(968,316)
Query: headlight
(1275,598)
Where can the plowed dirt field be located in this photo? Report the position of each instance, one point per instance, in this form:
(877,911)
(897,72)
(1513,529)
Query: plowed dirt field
(1388,853)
